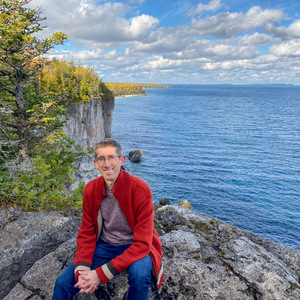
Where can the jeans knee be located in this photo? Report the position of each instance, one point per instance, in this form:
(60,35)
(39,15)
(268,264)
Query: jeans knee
(139,273)
(139,278)
(64,289)
(64,282)
(60,282)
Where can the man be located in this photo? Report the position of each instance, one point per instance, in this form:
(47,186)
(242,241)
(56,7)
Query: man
(116,233)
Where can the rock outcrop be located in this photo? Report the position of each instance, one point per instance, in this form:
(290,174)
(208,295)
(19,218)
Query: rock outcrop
(135,156)
(89,123)
(25,238)
(204,258)
(164,201)
(185,203)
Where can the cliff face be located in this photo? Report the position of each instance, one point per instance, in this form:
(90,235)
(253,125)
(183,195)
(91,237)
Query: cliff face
(204,259)
(89,123)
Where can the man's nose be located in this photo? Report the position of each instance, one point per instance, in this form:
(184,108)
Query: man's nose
(106,162)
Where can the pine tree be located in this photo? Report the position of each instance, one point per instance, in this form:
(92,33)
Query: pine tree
(22,112)
(36,157)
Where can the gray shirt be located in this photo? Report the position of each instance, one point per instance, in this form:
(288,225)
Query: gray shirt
(116,229)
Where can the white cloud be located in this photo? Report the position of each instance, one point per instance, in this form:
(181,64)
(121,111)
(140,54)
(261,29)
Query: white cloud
(291,48)
(104,23)
(213,5)
(141,26)
(123,44)
(294,29)
(255,39)
(225,65)
(162,63)
(290,32)
(226,25)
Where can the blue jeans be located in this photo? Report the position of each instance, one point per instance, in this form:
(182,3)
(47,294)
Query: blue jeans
(139,274)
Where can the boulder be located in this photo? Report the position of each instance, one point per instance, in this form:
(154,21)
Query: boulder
(164,201)
(204,258)
(25,238)
(135,156)
(185,203)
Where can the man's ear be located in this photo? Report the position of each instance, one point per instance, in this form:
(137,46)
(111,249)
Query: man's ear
(95,163)
(122,158)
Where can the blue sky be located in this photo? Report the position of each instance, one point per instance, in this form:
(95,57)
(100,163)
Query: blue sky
(185,41)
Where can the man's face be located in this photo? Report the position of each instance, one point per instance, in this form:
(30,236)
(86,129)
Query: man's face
(109,164)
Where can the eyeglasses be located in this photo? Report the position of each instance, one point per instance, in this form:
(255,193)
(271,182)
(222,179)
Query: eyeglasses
(110,158)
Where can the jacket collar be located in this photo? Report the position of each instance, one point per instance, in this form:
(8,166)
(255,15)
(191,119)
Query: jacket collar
(120,187)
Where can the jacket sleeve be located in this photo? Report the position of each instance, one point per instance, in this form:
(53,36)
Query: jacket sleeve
(142,211)
(86,239)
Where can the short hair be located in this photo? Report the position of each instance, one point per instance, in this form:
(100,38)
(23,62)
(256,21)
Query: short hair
(109,142)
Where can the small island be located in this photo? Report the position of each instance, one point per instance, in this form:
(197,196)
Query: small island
(125,89)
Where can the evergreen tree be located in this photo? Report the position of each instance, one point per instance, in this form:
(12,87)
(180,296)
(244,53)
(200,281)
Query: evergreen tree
(23,113)
(36,157)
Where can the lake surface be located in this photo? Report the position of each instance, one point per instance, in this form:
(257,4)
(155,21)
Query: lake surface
(232,151)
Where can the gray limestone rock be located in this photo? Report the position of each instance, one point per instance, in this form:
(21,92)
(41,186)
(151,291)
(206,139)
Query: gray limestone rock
(261,269)
(204,259)
(231,262)
(87,124)
(27,237)
(40,278)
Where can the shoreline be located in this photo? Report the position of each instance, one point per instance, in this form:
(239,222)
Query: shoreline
(127,96)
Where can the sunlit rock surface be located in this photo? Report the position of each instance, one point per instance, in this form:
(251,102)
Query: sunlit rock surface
(204,258)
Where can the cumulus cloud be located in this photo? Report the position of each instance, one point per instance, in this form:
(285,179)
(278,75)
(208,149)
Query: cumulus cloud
(286,33)
(255,39)
(97,23)
(213,5)
(123,44)
(163,63)
(140,26)
(291,48)
(294,29)
(226,25)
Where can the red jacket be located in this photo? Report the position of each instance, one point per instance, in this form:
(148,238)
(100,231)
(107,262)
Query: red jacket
(135,199)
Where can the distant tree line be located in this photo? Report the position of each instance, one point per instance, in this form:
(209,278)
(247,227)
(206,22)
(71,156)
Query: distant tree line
(121,89)
(155,85)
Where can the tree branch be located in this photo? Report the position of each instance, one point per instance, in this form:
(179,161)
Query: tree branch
(13,125)
(2,158)
(8,89)
(47,109)
(5,73)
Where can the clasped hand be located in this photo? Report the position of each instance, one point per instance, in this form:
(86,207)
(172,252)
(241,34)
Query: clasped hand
(88,282)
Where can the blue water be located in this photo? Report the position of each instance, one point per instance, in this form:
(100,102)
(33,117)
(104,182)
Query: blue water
(232,151)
